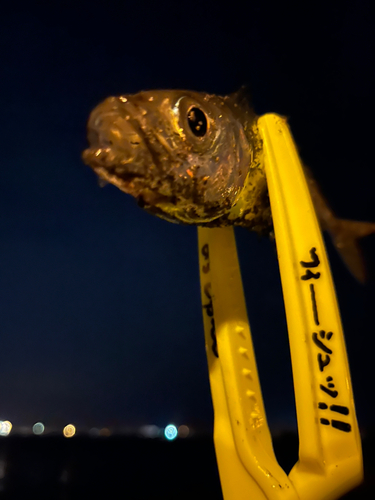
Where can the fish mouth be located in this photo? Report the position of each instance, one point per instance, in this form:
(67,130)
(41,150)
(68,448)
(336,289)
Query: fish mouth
(104,157)
(123,176)
(103,162)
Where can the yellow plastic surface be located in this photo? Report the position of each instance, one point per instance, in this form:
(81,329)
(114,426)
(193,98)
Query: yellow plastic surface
(330,459)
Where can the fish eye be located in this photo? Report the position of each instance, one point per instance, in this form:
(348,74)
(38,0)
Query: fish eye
(197,121)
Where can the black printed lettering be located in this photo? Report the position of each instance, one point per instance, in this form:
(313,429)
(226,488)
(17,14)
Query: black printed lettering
(343,410)
(205,251)
(319,343)
(207,290)
(315,259)
(337,424)
(213,337)
(210,313)
(206,268)
(314,306)
(209,309)
(323,362)
(309,275)
(331,393)
(340,409)
(341,426)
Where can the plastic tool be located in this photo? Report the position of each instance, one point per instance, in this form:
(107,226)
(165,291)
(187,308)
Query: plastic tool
(330,457)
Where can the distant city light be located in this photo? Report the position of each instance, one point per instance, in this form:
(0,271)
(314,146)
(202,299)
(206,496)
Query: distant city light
(170,432)
(150,431)
(5,427)
(183,431)
(38,428)
(104,432)
(94,432)
(69,431)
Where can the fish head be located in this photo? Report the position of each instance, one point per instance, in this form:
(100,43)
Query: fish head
(182,155)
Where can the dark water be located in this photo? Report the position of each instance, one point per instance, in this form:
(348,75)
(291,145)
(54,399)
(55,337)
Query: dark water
(129,468)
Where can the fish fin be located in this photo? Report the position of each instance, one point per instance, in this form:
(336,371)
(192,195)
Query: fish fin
(345,235)
(240,103)
(242,97)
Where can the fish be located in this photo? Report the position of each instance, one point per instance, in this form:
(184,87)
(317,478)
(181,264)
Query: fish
(196,158)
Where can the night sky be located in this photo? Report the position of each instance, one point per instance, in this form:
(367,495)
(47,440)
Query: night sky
(100,315)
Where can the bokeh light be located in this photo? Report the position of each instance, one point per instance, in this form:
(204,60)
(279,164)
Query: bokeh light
(38,428)
(170,432)
(104,432)
(69,431)
(183,431)
(5,427)
(150,431)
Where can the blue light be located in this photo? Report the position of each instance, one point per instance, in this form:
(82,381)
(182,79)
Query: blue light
(170,432)
(38,428)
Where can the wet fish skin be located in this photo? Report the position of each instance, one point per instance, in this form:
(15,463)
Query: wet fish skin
(151,145)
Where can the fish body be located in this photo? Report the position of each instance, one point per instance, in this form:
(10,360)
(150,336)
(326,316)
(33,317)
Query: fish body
(196,158)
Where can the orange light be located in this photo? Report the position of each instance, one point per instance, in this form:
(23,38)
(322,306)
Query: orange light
(69,431)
